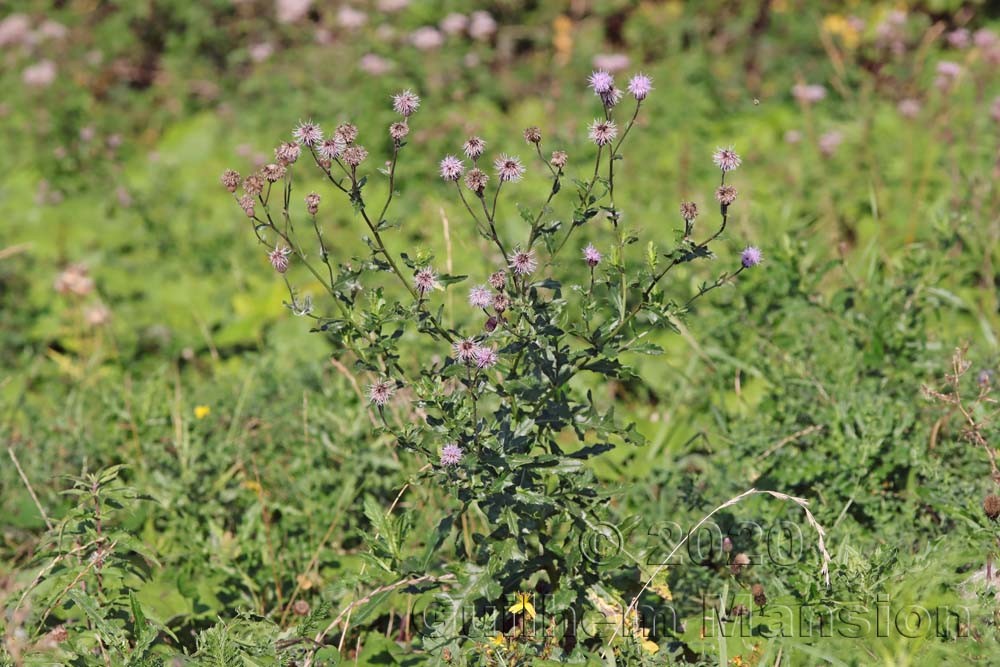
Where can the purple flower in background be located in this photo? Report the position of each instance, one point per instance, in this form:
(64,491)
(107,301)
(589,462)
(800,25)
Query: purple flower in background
(829,142)
(639,86)
(509,168)
(591,255)
(425,280)
(308,133)
(486,357)
(480,297)
(451,168)
(601,81)
(279,258)
(381,391)
(451,454)
(751,257)
(726,159)
(405,103)
(808,93)
(523,262)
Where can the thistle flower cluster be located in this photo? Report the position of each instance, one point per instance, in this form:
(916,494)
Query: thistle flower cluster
(557,295)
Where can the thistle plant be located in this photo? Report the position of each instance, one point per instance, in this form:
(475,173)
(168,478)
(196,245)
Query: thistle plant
(498,399)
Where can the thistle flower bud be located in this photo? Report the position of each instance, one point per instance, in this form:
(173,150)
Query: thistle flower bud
(476,180)
(474,148)
(727,544)
(759,597)
(500,302)
(740,561)
(491,324)
(991,506)
(253,185)
(498,280)
(355,155)
(279,258)
(273,172)
(312,203)
(247,203)
(533,135)
(559,159)
(398,131)
(231,180)
(346,133)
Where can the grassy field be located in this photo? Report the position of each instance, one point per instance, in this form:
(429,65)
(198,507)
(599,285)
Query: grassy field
(196,475)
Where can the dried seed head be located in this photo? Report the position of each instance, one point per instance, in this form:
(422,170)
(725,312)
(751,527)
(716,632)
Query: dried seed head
(689,211)
(253,185)
(740,561)
(476,180)
(533,135)
(273,172)
(355,155)
(398,131)
(287,153)
(725,195)
(498,280)
(231,180)
(559,159)
(501,302)
(759,597)
(451,168)
(474,148)
(346,133)
(991,505)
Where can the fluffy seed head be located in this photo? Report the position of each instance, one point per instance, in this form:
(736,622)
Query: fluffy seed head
(355,155)
(591,255)
(230,179)
(559,159)
(480,297)
(533,135)
(498,280)
(308,133)
(486,357)
(451,168)
(601,81)
(451,454)
(474,148)
(381,391)
(639,86)
(425,280)
(279,258)
(991,505)
(476,180)
(726,159)
(287,153)
(751,257)
(398,131)
(603,132)
(464,350)
(509,168)
(330,148)
(405,103)
(273,172)
(689,211)
(523,262)
(725,194)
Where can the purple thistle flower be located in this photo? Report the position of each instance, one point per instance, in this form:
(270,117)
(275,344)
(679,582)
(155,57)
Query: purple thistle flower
(725,194)
(425,280)
(346,133)
(523,262)
(640,85)
(612,98)
(381,391)
(509,168)
(279,258)
(451,168)
(273,172)
(287,153)
(726,159)
(451,454)
(312,203)
(591,255)
(308,133)
(480,297)
(476,180)
(751,257)
(405,103)
(533,135)
(601,81)
(559,159)
(474,148)
(330,148)
(398,131)
(603,132)
(355,155)
(486,357)
(464,350)
(253,185)
(689,211)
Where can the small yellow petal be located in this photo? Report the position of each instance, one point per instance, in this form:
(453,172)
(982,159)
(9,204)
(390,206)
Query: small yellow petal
(650,645)
(202,411)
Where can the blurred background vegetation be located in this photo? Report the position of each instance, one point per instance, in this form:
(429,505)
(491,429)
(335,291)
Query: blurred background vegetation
(139,324)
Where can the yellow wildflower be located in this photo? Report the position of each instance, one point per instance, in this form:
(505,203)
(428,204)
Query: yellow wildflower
(524,605)
(847,31)
(202,411)
(498,640)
